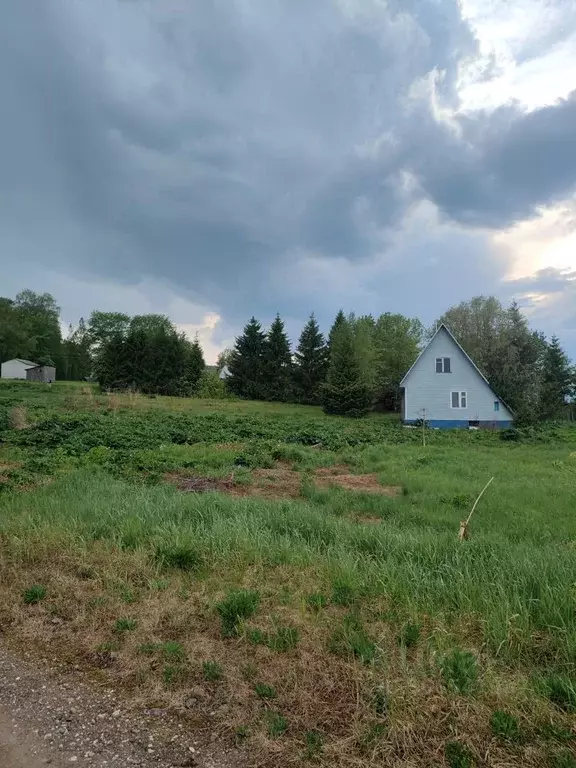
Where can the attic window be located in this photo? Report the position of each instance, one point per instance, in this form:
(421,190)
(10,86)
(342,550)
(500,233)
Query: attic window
(496,405)
(442,365)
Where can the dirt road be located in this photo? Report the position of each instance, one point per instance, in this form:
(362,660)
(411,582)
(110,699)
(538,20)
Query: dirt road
(49,716)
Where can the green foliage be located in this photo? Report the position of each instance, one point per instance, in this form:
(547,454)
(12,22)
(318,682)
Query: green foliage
(277,723)
(397,341)
(212,671)
(410,635)
(345,391)
(34,594)
(283,639)
(183,556)
(316,601)
(172,651)
(125,625)
(460,671)
(561,691)
(380,701)
(246,364)
(211,387)
(557,380)
(458,755)
(265,691)
(277,366)
(563,759)
(314,745)
(343,592)
(239,604)
(504,725)
(351,638)
(310,363)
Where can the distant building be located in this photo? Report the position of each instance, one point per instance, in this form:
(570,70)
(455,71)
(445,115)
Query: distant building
(224,373)
(16,368)
(445,388)
(44,373)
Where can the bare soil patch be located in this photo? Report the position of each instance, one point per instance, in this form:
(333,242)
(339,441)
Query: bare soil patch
(283,483)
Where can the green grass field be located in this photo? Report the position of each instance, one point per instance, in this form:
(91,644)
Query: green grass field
(303,571)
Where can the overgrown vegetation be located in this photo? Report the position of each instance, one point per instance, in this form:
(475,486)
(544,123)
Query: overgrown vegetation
(330,617)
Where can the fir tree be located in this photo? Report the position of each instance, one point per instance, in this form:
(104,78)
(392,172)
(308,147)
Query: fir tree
(277,367)
(557,377)
(345,391)
(311,363)
(194,366)
(247,362)
(339,321)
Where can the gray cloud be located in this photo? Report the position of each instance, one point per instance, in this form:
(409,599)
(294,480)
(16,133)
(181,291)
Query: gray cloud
(206,146)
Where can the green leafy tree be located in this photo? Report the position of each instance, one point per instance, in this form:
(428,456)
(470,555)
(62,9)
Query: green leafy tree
(104,326)
(505,349)
(247,362)
(557,380)
(311,363)
(363,329)
(39,317)
(277,367)
(15,340)
(345,391)
(76,353)
(224,359)
(397,341)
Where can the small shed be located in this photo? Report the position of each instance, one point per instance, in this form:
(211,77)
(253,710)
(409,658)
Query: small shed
(16,368)
(43,373)
(224,373)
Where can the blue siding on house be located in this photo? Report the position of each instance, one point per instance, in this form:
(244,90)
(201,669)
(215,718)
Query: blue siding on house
(427,394)
(462,424)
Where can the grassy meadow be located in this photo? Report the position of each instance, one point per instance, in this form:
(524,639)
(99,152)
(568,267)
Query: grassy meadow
(294,582)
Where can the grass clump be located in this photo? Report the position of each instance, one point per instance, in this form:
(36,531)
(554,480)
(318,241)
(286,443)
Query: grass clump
(314,745)
(316,601)
(125,625)
(343,593)
(460,671)
(284,639)
(564,759)
(238,605)
(504,726)
(265,691)
(410,635)
(212,671)
(276,723)
(561,691)
(458,755)
(179,556)
(34,594)
(351,638)
(172,651)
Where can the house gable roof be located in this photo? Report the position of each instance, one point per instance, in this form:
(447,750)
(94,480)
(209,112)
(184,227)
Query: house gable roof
(445,328)
(20,360)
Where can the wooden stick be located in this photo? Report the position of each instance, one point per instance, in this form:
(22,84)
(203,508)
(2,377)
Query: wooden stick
(463,532)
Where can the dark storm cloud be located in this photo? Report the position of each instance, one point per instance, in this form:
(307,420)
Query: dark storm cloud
(204,145)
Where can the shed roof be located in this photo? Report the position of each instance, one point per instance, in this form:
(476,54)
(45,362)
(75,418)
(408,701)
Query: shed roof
(21,360)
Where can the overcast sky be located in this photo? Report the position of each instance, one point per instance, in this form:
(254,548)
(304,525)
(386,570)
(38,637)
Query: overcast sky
(214,159)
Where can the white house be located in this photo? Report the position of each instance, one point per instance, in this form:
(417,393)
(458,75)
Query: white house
(224,373)
(16,369)
(445,388)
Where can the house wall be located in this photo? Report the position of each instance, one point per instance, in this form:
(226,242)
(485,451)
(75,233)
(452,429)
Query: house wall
(427,394)
(14,369)
(42,373)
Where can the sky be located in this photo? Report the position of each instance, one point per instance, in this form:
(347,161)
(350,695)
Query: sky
(226,158)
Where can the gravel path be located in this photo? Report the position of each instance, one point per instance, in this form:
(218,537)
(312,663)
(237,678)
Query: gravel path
(49,717)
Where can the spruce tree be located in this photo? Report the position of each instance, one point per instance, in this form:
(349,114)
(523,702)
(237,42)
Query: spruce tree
(339,321)
(311,363)
(194,366)
(277,367)
(556,380)
(345,392)
(247,362)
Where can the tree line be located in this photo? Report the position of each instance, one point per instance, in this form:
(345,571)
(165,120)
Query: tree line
(355,368)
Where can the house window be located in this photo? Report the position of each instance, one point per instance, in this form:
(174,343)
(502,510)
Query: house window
(496,405)
(442,365)
(458,399)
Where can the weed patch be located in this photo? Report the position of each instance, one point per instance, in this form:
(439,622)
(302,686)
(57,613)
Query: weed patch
(238,605)
(34,594)
(460,671)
